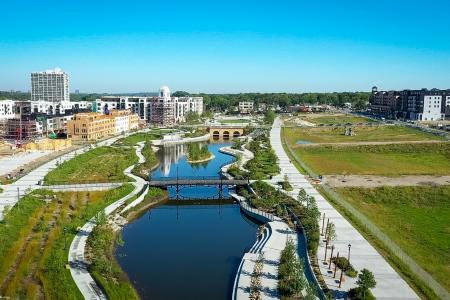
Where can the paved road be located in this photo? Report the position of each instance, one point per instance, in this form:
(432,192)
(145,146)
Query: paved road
(389,284)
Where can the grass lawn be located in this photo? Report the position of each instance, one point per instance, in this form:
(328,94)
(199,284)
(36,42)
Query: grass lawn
(391,160)
(416,218)
(234,121)
(362,134)
(140,137)
(32,241)
(335,119)
(102,164)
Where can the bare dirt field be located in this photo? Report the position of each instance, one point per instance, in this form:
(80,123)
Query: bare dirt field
(370,181)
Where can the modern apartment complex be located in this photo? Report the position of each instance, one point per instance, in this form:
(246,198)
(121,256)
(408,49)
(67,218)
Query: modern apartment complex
(162,110)
(419,105)
(50,86)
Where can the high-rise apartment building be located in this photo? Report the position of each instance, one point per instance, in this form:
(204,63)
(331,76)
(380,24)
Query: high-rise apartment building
(50,86)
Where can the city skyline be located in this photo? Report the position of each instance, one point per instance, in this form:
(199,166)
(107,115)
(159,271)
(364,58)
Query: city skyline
(239,47)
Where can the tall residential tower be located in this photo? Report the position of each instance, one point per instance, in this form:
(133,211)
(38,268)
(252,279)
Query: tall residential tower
(50,86)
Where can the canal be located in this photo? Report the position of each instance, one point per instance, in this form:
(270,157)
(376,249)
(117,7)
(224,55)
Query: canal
(192,250)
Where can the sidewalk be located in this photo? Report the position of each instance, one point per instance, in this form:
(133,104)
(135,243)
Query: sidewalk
(389,284)
(12,192)
(77,261)
(271,249)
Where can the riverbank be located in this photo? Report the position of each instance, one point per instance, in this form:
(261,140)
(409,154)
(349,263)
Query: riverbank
(80,265)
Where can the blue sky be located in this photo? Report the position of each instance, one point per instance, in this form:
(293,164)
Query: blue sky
(228,46)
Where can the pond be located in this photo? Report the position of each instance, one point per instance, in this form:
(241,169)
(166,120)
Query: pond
(303,142)
(187,249)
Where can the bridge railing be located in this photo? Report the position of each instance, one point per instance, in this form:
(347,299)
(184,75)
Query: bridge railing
(196,178)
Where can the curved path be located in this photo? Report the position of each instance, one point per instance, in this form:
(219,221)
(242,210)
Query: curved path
(271,249)
(389,284)
(14,191)
(77,260)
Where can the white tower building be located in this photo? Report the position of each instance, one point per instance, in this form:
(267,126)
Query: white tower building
(50,86)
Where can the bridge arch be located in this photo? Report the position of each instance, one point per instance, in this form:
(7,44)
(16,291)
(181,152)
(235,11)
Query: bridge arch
(225,132)
(216,135)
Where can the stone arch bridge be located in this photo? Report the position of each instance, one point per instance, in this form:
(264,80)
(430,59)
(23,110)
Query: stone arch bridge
(225,132)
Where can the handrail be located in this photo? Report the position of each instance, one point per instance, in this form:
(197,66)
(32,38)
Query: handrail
(305,237)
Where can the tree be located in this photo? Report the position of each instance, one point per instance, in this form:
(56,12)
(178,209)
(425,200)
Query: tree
(331,232)
(366,281)
(291,271)
(180,94)
(269,117)
(311,292)
(302,196)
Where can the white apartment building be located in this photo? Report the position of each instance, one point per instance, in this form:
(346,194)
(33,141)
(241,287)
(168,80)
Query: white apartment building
(162,110)
(432,109)
(137,105)
(122,124)
(60,108)
(184,105)
(50,86)
(245,107)
(7,109)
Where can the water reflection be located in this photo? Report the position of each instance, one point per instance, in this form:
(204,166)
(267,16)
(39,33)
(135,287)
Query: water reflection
(187,249)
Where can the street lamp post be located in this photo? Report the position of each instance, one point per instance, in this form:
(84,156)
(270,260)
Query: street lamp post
(349,246)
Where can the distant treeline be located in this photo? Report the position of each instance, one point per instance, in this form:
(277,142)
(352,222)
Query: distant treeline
(226,101)
(73,97)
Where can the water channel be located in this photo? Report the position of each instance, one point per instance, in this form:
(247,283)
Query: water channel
(187,249)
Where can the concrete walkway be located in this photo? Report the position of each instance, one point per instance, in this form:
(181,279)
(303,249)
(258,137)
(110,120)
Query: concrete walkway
(14,191)
(77,260)
(81,187)
(389,284)
(271,247)
(245,155)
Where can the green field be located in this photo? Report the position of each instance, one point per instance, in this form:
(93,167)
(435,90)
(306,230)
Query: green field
(335,119)
(34,247)
(415,218)
(234,121)
(391,160)
(140,137)
(361,134)
(102,164)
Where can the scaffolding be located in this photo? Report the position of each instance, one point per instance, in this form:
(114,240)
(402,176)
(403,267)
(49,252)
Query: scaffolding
(18,130)
(162,113)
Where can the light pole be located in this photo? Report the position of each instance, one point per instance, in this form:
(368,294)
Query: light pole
(349,246)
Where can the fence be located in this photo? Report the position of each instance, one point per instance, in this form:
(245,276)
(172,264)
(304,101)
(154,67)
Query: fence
(255,211)
(375,231)
(391,245)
